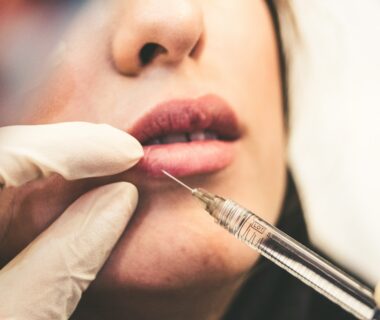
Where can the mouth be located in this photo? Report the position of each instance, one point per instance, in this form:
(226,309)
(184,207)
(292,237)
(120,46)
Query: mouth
(187,137)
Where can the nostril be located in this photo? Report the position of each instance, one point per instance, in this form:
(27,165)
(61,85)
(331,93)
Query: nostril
(149,52)
(197,49)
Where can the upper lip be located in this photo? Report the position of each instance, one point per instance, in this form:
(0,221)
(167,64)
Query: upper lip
(208,113)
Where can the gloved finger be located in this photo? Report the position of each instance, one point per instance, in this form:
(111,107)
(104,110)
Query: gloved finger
(46,280)
(377,294)
(74,150)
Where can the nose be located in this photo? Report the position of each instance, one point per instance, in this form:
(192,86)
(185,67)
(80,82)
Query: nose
(152,32)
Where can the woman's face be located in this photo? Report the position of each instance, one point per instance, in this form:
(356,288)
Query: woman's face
(184,66)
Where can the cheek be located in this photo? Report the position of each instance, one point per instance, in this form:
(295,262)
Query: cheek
(243,43)
(65,98)
(71,90)
(53,105)
(49,103)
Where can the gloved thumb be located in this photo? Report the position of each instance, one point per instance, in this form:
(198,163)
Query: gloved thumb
(46,280)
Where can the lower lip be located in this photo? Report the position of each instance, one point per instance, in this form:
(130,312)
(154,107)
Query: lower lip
(186,159)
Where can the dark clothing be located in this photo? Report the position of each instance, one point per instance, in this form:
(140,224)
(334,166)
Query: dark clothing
(271,293)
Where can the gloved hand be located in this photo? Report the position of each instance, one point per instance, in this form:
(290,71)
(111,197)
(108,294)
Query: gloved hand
(377,294)
(46,280)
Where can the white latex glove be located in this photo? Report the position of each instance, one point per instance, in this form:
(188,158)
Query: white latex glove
(46,280)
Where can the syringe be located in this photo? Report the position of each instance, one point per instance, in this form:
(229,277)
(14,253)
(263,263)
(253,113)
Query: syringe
(289,254)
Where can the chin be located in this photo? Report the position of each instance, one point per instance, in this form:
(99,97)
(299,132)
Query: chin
(169,248)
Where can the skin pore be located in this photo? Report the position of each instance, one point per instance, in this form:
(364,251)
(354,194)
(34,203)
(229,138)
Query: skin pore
(173,261)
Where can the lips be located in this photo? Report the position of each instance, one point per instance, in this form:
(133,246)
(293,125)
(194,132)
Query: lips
(187,137)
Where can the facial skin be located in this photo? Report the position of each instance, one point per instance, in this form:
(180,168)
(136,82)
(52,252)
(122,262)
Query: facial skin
(173,261)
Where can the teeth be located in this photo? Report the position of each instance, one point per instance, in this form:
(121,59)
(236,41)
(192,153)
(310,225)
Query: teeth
(173,138)
(197,136)
(203,135)
(184,137)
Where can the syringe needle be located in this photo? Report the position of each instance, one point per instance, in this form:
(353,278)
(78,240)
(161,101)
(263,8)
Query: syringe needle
(176,180)
(206,198)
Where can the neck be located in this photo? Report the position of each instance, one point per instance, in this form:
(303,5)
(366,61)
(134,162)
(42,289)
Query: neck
(203,303)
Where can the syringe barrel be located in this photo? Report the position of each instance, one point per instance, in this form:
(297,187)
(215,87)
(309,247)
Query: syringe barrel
(292,256)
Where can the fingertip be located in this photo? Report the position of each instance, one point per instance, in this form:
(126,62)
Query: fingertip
(120,198)
(136,151)
(122,194)
(129,147)
(129,193)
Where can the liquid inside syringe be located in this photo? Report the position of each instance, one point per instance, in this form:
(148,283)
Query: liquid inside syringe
(289,254)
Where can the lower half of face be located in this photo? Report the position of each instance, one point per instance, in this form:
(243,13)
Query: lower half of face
(171,244)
